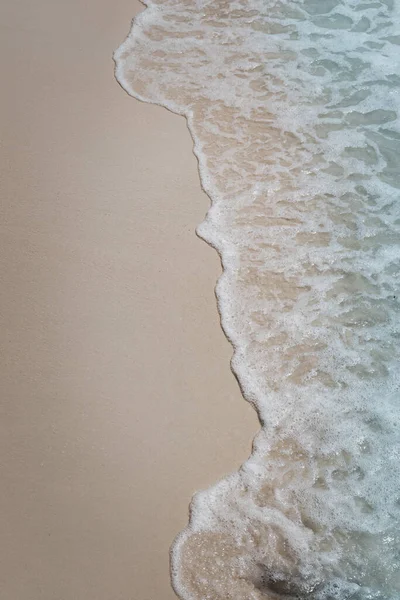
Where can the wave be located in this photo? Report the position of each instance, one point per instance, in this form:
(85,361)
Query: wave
(293,107)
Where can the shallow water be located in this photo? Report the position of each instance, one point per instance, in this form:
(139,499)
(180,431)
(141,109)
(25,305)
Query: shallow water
(293,107)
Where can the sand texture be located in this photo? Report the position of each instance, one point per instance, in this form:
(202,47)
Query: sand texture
(117,400)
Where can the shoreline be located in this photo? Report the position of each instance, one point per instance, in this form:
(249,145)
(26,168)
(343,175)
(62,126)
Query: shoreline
(120,401)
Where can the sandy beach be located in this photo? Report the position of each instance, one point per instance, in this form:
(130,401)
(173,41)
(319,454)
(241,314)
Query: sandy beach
(118,402)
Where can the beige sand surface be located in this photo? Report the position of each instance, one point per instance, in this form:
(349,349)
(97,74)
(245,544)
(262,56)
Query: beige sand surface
(117,401)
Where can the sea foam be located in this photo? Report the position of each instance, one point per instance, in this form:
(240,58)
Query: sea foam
(293,107)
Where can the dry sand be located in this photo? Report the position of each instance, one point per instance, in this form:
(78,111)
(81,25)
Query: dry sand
(117,398)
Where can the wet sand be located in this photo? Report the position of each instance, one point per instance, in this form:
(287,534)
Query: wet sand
(117,398)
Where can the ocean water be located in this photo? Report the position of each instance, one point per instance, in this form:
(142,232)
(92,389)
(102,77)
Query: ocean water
(293,107)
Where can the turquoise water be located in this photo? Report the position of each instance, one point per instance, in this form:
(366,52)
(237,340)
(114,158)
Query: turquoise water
(293,107)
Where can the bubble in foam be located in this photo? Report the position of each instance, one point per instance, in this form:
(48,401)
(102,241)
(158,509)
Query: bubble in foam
(294,112)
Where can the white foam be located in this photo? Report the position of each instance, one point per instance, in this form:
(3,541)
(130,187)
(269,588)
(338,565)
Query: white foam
(294,112)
